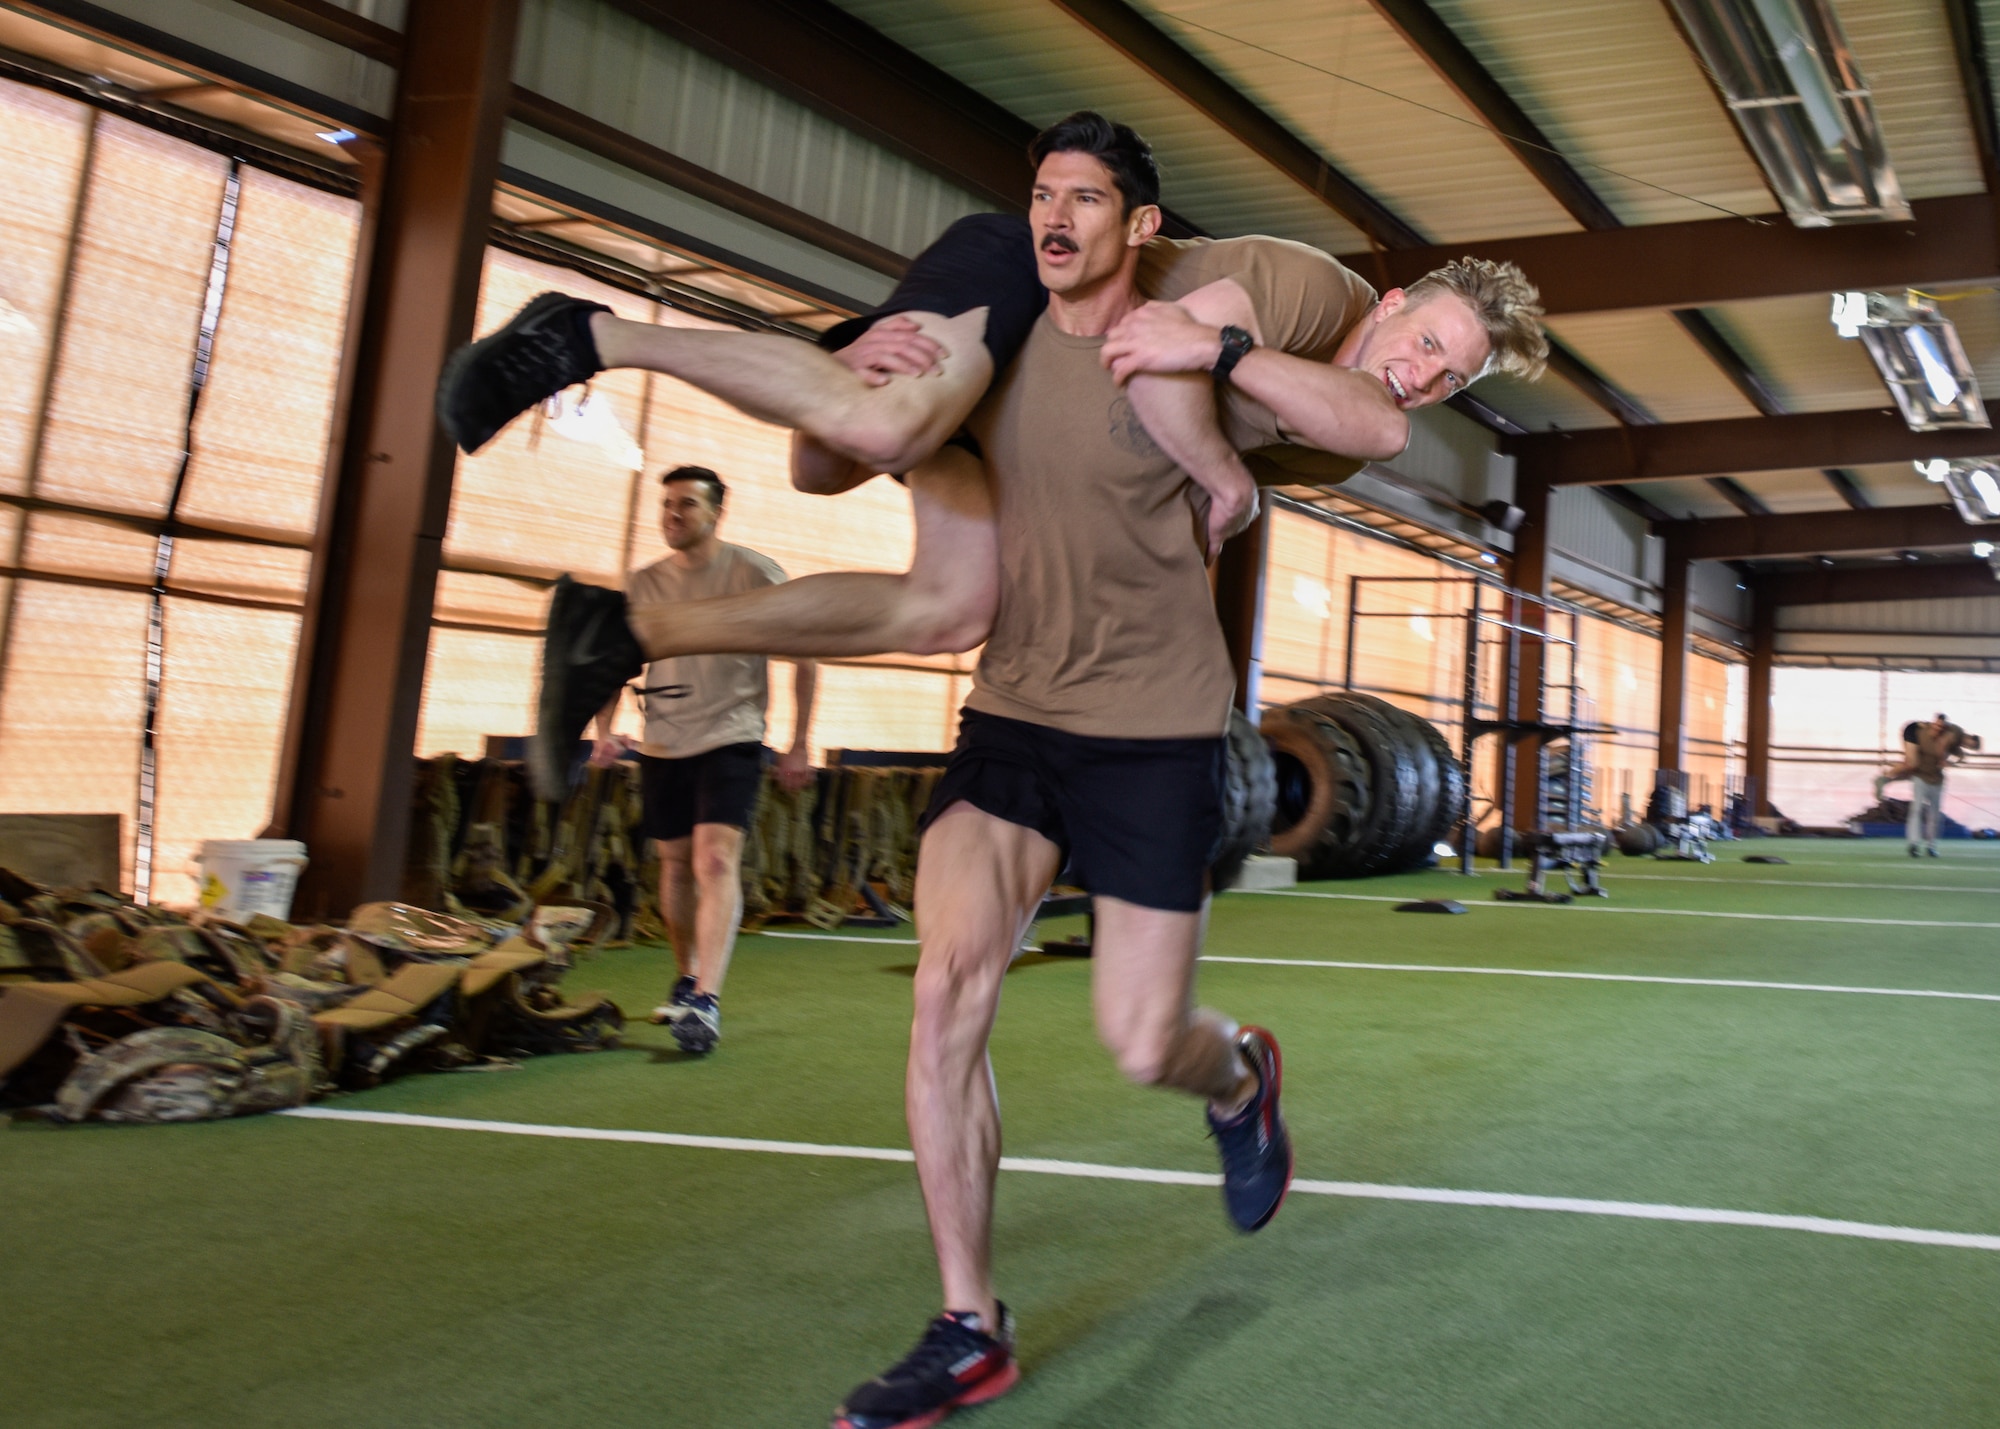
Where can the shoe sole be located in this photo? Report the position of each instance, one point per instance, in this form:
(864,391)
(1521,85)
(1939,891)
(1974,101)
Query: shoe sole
(992,1387)
(693,1035)
(1277,1093)
(456,366)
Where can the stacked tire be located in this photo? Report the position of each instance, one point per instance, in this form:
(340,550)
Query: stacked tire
(1362,786)
(1249,801)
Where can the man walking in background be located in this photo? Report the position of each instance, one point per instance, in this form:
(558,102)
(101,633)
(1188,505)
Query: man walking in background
(1933,745)
(702,758)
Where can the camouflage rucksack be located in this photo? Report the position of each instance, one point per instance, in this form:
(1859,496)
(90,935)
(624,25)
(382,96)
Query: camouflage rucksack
(186,1074)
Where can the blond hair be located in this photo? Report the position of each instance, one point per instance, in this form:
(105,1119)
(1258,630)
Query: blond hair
(1507,305)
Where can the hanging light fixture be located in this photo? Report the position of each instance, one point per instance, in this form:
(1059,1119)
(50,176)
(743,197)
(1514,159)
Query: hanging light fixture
(1791,84)
(1974,486)
(1917,351)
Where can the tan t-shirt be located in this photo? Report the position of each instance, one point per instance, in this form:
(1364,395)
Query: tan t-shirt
(1935,746)
(695,703)
(1106,624)
(1305,301)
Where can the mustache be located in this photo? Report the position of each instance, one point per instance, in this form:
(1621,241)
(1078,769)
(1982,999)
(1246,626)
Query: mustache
(1061,242)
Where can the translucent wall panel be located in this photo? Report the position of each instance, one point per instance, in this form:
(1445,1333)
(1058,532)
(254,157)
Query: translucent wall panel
(1619,669)
(118,408)
(221,723)
(99,547)
(42,143)
(1707,755)
(72,705)
(476,684)
(239,570)
(1832,731)
(534,498)
(260,440)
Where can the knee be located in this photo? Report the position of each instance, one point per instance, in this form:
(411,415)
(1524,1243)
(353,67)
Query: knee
(715,866)
(1141,1059)
(952,975)
(953,621)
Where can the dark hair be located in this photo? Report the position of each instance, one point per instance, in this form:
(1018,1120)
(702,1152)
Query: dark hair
(1116,146)
(717,492)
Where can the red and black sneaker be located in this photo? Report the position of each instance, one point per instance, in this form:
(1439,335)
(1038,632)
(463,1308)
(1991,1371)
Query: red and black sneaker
(956,1364)
(1256,1149)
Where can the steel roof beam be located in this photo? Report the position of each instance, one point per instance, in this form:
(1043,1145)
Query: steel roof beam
(1940,580)
(1817,533)
(1704,262)
(1968,43)
(1734,445)
(1847,488)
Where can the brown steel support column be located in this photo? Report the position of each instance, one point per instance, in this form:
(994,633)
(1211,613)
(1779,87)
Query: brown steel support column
(1673,654)
(1529,575)
(359,686)
(1239,605)
(1757,722)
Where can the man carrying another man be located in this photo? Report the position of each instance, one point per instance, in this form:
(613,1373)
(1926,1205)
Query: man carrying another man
(1927,748)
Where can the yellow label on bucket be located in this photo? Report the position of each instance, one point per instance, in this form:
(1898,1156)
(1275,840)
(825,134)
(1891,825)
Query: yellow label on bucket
(213,891)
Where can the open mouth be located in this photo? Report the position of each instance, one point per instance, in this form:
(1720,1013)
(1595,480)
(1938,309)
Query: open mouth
(1396,388)
(1057,243)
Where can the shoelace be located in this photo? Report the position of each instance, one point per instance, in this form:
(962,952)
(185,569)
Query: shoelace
(527,365)
(944,1344)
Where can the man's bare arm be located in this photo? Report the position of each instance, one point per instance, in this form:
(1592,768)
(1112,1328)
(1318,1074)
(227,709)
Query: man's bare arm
(1317,404)
(795,764)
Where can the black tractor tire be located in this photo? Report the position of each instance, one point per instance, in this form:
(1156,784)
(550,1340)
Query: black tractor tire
(1323,787)
(1396,782)
(1249,801)
(1637,840)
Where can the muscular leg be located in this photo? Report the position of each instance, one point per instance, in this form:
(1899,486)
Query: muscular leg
(1142,985)
(678,902)
(979,881)
(794,384)
(943,603)
(717,859)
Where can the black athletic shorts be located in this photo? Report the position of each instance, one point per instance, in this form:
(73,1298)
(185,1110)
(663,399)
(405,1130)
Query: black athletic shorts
(1137,819)
(718,787)
(986,260)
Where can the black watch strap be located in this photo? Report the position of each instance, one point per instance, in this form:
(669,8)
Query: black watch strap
(1235,342)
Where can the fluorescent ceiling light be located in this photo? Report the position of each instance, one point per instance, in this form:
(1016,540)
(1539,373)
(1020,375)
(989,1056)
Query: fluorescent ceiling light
(1917,351)
(1790,81)
(1974,486)
(1982,549)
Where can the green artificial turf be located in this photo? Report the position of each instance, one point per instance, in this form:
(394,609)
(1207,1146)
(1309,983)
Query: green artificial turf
(276,1270)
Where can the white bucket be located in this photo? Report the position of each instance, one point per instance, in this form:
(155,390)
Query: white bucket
(241,877)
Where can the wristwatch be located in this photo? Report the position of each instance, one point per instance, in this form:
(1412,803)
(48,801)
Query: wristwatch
(1235,342)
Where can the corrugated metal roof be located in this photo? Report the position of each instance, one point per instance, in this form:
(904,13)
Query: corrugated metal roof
(1651,357)
(1894,484)
(1905,54)
(1389,123)
(605,63)
(1540,406)
(1689,498)
(1962,616)
(1804,490)
(1621,95)
(1792,345)
(1031,58)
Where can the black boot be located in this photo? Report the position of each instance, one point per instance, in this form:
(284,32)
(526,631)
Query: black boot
(544,348)
(588,653)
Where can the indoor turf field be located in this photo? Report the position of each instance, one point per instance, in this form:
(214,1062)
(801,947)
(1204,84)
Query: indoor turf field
(333,1272)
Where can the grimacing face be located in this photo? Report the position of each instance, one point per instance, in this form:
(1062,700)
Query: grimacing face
(1082,233)
(687,514)
(1422,352)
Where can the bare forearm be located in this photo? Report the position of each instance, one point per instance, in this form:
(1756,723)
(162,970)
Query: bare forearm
(1335,409)
(805,690)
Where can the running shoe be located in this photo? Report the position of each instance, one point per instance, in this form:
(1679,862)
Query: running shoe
(670,1010)
(698,1027)
(588,654)
(544,348)
(1256,1150)
(955,1365)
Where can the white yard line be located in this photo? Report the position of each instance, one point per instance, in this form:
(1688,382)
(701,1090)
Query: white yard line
(1591,905)
(1608,977)
(1615,875)
(1355,1190)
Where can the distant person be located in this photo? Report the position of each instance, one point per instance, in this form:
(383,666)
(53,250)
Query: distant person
(1927,747)
(702,759)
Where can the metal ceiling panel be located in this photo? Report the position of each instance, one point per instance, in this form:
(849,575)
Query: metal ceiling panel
(1791,491)
(1978,616)
(1620,93)
(1030,57)
(1896,484)
(1540,406)
(1792,345)
(1905,54)
(1691,498)
(1338,76)
(1653,360)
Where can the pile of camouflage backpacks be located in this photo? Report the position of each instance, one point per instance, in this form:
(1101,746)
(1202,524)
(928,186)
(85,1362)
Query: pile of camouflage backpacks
(481,845)
(121,1013)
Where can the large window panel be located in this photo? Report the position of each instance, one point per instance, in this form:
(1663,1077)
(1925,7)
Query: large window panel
(260,439)
(43,139)
(476,683)
(220,726)
(534,497)
(73,703)
(97,546)
(117,414)
(240,570)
